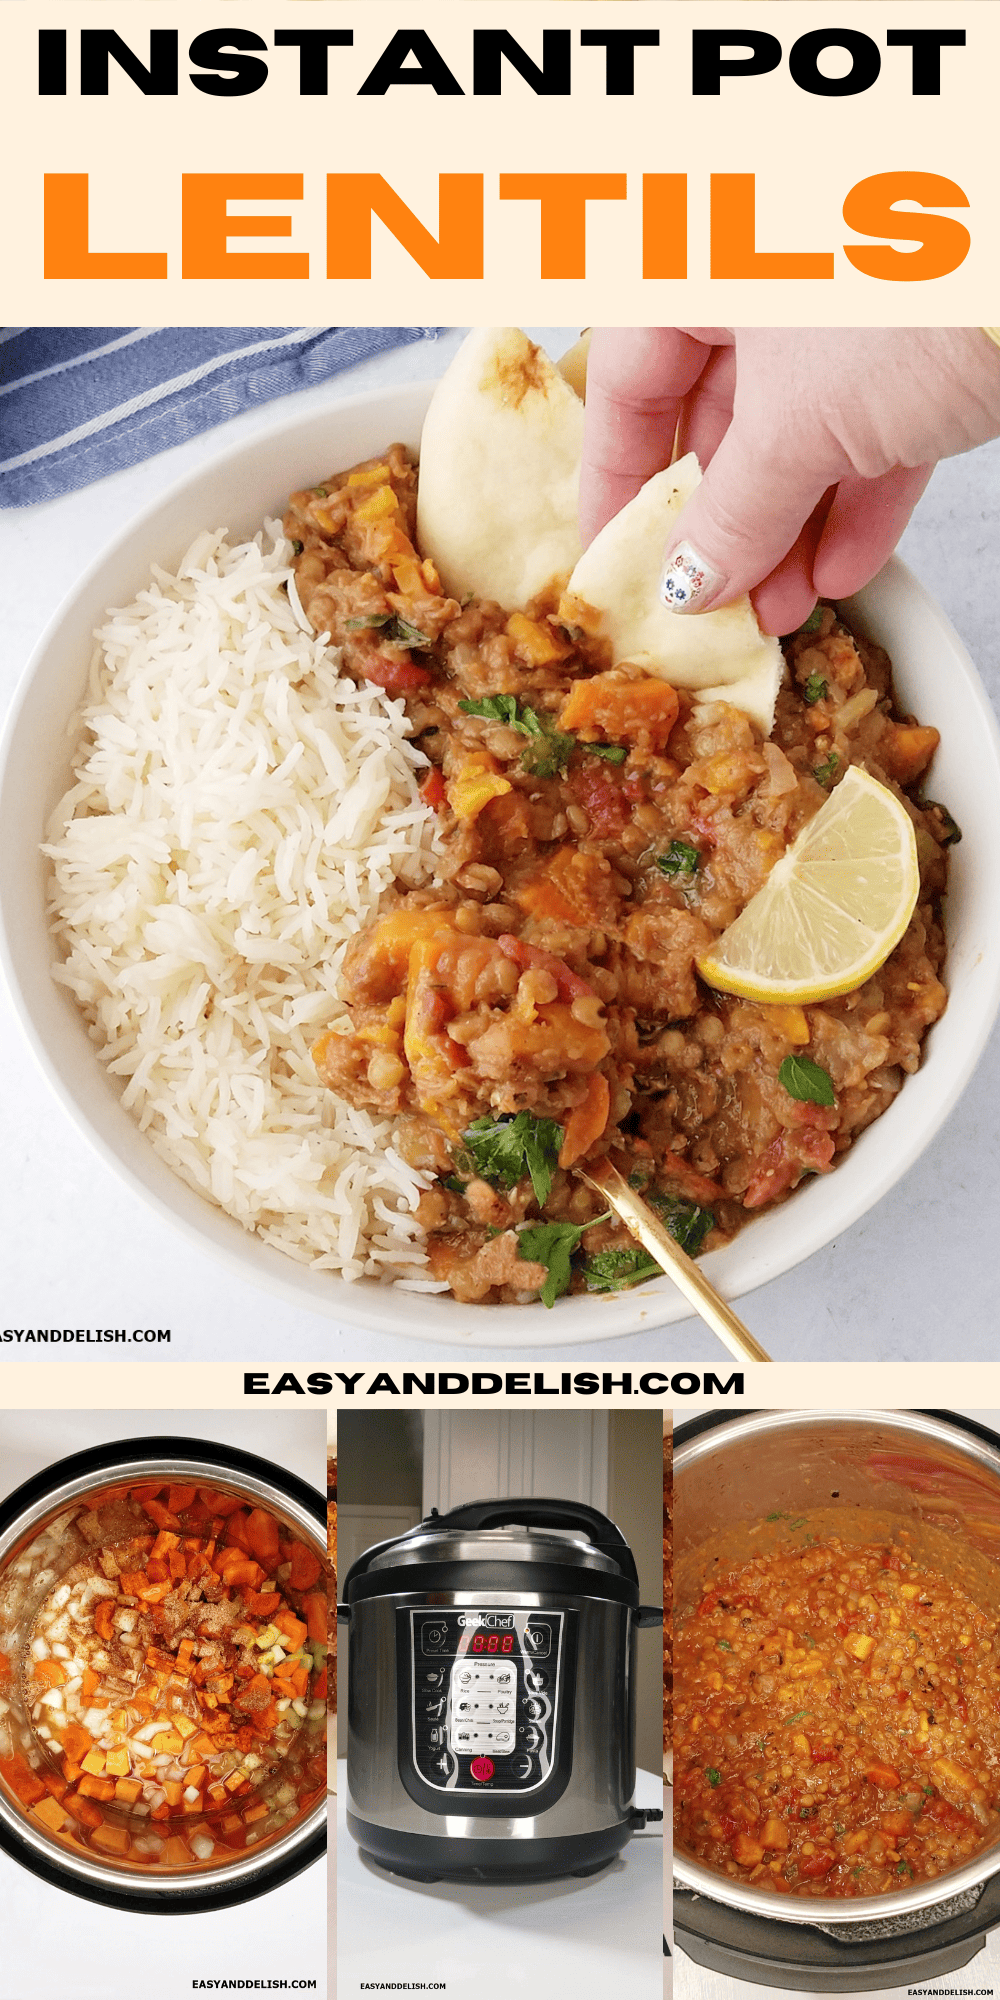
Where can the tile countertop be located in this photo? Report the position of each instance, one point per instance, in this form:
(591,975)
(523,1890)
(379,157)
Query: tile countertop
(81,1250)
(589,1938)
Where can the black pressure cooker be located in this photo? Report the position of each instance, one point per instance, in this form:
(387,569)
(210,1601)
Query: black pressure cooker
(491,1694)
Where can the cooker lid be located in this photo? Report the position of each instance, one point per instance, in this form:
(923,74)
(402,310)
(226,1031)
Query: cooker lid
(529,1531)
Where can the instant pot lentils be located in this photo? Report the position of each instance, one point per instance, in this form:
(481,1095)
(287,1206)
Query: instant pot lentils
(169,1697)
(837,1725)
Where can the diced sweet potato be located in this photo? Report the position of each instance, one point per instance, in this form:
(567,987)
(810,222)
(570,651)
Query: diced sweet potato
(621,709)
(587,1121)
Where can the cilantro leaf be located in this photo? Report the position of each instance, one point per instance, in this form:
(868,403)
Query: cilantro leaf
(553,1244)
(397,630)
(679,859)
(811,624)
(549,757)
(714,1777)
(550,750)
(825,773)
(408,635)
(504,1150)
(805,1080)
(687,1222)
(814,690)
(613,1270)
(613,753)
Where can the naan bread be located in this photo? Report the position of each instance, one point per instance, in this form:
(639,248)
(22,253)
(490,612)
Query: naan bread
(572,365)
(613,594)
(500,471)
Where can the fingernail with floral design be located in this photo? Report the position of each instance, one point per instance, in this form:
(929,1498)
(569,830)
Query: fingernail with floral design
(688,583)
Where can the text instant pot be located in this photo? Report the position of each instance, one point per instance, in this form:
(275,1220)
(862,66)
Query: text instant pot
(325,161)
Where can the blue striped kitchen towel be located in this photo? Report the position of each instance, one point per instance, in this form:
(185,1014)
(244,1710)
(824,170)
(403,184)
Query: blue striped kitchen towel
(77,402)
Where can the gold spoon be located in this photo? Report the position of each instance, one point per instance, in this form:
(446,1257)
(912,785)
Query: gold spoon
(656,1238)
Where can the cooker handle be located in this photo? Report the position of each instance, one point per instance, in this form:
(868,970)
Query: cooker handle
(543,1513)
(648,1614)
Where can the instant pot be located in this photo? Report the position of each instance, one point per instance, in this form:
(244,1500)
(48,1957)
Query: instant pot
(38,1545)
(491,1697)
(864,1473)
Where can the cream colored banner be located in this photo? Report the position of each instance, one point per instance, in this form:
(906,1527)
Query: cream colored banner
(614,197)
(551,1385)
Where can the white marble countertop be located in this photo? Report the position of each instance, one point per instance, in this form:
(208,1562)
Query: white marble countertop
(589,1938)
(82,1250)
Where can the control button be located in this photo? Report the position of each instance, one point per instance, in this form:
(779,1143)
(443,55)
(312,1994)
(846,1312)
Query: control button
(536,1639)
(465,1678)
(433,1637)
(465,1707)
(502,1707)
(536,1709)
(536,1680)
(482,1769)
(443,1765)
(433,1677)
(435,1708)
(532,1738)
(503,1677)
(503,1738)
(523,1767)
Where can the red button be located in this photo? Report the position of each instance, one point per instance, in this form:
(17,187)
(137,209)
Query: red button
(482,1768)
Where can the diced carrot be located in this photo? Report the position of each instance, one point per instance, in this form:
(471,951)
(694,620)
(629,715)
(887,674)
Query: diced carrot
(305,1568)
(219,1503)
(157,1571)
(586,1121)
(535,640)
(263,1603)
(196,1774)
(55,1784)
(176,1852)
(96,1788)
(164,1542)
(173,1792)
(104,1617)
(90,1683)
(128,1789)
(319,1690)
(258,1811)
(177,1564)
(162,1811)
(51,1673)
(161,1515)
(133,1580)
(22,1781)
(154,1593)
(293,1628)
(179,1497)
(72,1773)
(5,1667)
(432,789)
(262,1537)
(315,1607)
(51,1813)
(83,1810)
(111,1839)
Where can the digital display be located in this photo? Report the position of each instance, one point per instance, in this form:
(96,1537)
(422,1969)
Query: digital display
(493,1642)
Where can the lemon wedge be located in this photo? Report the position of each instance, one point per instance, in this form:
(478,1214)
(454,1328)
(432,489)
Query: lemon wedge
(832,908)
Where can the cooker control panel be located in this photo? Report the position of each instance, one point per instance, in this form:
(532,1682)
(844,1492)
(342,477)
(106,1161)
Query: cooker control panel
(486,1687)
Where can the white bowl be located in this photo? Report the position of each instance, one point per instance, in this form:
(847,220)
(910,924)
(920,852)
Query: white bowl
(935,679)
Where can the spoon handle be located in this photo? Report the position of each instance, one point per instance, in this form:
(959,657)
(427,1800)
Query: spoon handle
(652,1233)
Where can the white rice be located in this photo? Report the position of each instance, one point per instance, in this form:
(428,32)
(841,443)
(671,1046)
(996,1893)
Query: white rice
(238,813)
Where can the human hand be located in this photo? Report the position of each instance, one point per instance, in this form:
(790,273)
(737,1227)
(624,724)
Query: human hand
(816,443)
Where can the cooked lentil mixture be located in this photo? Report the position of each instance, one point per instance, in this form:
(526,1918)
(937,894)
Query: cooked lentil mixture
(598,830)
(175,1680)
(836,1723)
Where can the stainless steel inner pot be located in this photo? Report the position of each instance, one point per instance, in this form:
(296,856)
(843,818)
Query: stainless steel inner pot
(37,1545)
(864,1473)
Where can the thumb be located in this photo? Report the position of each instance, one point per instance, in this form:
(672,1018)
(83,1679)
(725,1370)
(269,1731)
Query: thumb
(743,518)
